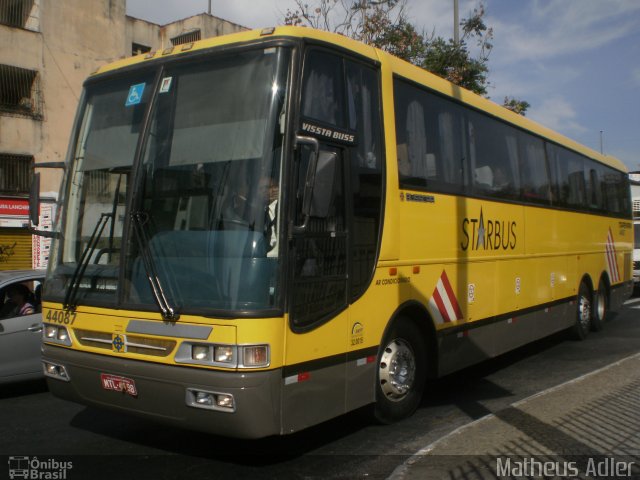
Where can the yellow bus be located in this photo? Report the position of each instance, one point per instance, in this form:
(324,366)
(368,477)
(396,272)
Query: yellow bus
(263,231)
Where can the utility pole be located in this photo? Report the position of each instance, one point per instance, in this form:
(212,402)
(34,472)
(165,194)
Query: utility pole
(456,23)
(209,7)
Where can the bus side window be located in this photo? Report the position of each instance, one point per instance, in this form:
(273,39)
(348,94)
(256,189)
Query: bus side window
(428,140)
(494,156)
(534,174)
(365,172)
(574,164)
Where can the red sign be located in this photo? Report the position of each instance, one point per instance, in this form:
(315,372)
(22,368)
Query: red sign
(14,207)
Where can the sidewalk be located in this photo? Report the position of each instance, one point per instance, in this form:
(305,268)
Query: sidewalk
(586,428)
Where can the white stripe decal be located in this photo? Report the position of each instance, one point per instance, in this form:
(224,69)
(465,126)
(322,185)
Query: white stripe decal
(435,311)
(612,263)
(451,313)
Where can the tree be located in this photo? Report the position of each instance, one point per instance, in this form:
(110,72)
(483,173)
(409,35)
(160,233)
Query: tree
(515,105)
(455,62)
(380,23)
(384,24)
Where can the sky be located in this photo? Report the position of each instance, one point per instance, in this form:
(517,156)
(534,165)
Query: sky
(577,62)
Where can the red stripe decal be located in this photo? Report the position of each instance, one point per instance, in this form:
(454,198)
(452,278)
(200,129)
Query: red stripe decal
(441,307)
(451,295)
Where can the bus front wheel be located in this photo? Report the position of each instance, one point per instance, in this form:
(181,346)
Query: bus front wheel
(401,372)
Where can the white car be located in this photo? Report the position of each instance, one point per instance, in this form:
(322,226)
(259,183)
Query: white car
(20,335)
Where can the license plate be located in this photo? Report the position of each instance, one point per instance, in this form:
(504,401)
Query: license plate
(119,384)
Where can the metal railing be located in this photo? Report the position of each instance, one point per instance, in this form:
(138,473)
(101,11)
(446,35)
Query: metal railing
(16,172)
(20,91)
(19,14)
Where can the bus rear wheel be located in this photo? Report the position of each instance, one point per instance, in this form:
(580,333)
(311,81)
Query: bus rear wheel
(600,307)
(401,372)
(584,313)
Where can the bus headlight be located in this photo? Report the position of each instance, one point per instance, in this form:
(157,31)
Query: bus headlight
(219,355)
(56,371)
(50,331)
(201,353)
(56,334)
(223,402)
(223,354)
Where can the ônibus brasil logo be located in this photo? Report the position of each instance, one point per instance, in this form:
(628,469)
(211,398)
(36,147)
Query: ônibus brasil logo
(36,469)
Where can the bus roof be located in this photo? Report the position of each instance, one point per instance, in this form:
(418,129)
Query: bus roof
(398,67)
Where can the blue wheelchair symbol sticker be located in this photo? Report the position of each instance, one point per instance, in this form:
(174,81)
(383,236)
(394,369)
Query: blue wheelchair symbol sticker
(135,94)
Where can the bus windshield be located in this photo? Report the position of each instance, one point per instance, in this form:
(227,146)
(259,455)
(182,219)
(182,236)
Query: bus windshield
(202,186)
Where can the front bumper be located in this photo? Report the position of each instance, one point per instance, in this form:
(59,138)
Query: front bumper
(162,392)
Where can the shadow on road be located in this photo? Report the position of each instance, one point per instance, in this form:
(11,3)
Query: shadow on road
(173,440)
(21,389)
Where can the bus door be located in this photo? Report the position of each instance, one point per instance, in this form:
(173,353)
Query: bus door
(314,387)
(336,231)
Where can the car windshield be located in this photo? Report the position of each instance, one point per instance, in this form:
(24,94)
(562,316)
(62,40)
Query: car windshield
(203,186)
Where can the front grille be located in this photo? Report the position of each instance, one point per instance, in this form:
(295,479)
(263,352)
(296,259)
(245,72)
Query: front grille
(135,344)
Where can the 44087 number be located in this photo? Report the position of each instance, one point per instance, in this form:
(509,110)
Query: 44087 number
(64,317)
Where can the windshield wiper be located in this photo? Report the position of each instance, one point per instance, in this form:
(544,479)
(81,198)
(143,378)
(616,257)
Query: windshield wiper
(139,221)
(78,273)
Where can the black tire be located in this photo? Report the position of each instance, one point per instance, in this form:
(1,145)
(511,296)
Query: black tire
(600,307)
(403,359)
(583,314)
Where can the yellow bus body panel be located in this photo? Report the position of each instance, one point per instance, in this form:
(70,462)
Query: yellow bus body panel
(541,257)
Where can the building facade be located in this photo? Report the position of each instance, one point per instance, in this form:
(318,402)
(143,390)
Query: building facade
(48,49)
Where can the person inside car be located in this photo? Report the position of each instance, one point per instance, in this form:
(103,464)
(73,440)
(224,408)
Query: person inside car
(20,295)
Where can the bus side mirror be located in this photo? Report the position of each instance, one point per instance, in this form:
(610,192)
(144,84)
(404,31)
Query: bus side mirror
(34,200)
(308,181)
(323,184)
(318,184)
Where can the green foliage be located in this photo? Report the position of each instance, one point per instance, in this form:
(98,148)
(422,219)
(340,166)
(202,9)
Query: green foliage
(455,62)
(384,24)
(518,106)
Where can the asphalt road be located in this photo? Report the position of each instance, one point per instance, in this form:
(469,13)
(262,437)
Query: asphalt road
(108,445)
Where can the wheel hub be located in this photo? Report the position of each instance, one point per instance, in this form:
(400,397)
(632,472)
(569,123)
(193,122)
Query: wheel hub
(585,312)
(600,305)
(397,370)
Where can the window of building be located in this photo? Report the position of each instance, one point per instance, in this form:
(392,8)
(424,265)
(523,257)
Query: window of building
(187,37)
(16,172)
(139,49)
(19,13)
(20,91)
